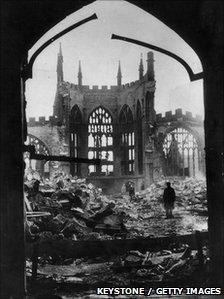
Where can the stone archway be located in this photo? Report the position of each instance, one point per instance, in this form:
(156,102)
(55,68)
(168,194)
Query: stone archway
(43,167)
(204,28)
(181,153)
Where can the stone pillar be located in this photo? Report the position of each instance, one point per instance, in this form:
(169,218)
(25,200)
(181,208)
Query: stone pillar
(214,148)
(117,150)
(11,198)
(84,149)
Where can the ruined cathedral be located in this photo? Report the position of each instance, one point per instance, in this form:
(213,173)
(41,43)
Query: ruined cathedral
(119,126)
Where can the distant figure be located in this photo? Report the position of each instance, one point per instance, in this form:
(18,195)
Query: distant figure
(169,197)
(131,190)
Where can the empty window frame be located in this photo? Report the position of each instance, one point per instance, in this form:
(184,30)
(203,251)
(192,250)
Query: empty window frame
(181,153)
(75,125)
(127,141)
(40,148)
(100,142)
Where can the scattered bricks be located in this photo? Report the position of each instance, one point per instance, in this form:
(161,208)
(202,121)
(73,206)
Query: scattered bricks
(178,113)
(132,260)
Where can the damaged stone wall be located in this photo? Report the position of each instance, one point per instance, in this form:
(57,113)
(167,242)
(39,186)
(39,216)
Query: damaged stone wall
(56,132)
(170,122)
(54,138)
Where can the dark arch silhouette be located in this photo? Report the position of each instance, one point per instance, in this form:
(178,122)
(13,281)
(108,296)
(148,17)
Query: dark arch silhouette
(126,115)
(193,77)
(75,115)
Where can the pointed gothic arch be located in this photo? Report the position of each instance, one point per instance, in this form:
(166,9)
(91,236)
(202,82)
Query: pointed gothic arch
(100,141)
(40,148)
(126,122)
(181,153)
(75,125)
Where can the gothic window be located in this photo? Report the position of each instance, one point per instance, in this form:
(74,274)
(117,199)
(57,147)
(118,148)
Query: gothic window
(127,141)
(75,133)
(139,138)
(41,149)
(100,142)
(181,153)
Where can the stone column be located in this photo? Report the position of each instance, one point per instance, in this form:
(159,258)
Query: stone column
(117,150)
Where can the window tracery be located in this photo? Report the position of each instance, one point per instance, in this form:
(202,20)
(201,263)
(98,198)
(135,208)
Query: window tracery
(75,132)
(100,141)
(41,149)
(181,153)
(127,141)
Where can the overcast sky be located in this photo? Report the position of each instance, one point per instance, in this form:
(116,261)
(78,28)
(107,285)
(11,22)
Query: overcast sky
(99,55)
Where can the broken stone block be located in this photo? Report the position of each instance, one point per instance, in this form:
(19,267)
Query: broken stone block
(56,224)
(132,260)
(176,266)
(102,213)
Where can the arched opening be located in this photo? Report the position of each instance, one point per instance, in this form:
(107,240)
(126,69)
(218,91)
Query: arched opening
(75,126)
(42,167)
(100,141)
(202,29)
(181,153)
(127,141)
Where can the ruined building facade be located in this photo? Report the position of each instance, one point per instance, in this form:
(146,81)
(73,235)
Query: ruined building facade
(118,125)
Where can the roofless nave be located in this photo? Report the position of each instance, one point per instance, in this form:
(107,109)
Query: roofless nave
(118,125)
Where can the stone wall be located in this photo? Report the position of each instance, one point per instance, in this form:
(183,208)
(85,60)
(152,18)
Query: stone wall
(54,138)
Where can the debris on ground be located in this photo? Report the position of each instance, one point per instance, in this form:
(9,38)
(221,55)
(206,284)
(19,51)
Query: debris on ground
(69,208)
(78,210)
(181,268)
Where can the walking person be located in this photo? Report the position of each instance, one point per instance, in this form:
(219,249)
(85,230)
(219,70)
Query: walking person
(169,197)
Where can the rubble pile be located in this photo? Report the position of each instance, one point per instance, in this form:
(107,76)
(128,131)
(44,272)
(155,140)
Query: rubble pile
(177,264)
(68,208)
(145,213)
(80,211)
(75,210)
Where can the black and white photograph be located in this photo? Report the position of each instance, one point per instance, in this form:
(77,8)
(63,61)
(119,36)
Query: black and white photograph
(112,161)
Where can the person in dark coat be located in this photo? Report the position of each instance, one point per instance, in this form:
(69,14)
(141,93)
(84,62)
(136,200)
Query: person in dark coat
(131,190)
(169,197)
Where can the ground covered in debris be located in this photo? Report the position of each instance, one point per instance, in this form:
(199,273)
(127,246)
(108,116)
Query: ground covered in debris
(81,211)
(66,208)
